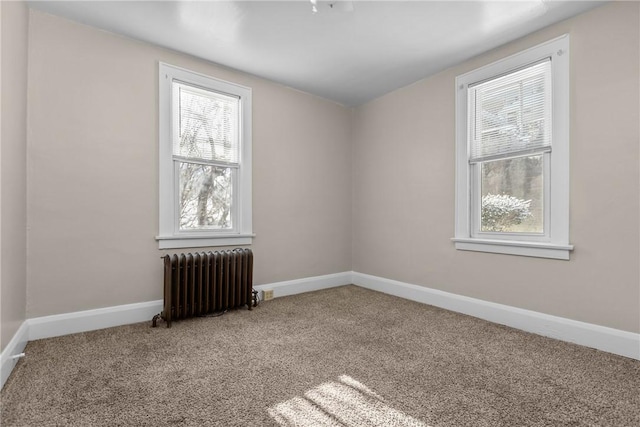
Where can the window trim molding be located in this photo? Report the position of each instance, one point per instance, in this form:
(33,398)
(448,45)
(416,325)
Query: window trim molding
(170,236)
(557,244)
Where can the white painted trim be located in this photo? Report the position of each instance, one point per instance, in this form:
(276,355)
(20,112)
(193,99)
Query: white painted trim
(90,320)
(512,247)
(599,337)
(169,235)
(13,348)
(308,284)
(602,338)
(175,242)
(556,194)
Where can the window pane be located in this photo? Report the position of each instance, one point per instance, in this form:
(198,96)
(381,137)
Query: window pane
(207,124)
(513,195)
(512,113)
(205,197)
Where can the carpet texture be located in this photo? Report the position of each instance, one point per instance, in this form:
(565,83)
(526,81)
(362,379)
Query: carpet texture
(345,356)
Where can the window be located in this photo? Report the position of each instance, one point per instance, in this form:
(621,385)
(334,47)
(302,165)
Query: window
(512,154)
(205,160)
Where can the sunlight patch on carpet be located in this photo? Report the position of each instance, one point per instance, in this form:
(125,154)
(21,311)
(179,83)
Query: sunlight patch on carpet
(346,402)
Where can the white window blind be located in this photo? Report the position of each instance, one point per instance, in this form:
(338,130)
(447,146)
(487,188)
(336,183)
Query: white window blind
(207,127)
(511,114)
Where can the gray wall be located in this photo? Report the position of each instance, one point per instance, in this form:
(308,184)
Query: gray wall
(13,185)
(93,172)
(403,174)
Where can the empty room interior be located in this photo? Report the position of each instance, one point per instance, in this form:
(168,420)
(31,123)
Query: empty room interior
(421,213)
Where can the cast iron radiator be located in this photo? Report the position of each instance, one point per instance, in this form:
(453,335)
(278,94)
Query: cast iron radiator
(204,283)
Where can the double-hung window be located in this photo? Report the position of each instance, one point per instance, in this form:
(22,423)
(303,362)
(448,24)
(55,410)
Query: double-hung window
(205,160)
(512,154)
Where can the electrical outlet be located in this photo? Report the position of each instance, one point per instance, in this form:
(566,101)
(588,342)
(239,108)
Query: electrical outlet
(267,294)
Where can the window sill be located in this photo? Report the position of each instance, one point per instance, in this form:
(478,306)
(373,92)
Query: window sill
(175,242)
(509,247)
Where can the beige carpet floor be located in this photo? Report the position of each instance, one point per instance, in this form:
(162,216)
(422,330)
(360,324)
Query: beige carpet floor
(339,357)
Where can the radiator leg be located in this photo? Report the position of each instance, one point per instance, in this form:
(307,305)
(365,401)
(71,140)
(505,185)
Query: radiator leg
(255,299)
(154,321)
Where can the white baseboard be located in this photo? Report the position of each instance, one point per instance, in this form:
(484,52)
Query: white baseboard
(307,284)
(16,346)
(91,320)
(602,338)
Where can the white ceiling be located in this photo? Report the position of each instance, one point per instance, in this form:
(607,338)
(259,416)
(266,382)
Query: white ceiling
(349,52)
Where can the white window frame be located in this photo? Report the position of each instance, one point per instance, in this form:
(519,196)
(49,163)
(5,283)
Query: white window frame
(170,236)
(554,243)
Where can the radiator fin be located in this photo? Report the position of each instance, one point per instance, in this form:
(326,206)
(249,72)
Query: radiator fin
(203,283)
